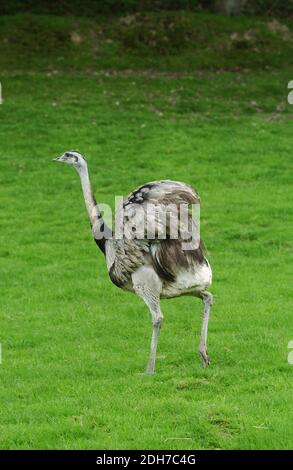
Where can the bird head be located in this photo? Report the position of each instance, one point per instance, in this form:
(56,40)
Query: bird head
(72,157)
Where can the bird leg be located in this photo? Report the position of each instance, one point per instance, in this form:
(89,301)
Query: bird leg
(154,342)
(207,299)
(148,285)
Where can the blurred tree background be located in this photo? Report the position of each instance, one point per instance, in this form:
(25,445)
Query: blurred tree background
(91,7)
(170,35)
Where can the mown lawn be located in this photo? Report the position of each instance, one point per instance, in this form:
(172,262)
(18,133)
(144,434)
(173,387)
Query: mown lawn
(73,345)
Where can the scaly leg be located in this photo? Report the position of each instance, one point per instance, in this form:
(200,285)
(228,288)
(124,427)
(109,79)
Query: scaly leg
(148,286)
(207,301)
(154,343)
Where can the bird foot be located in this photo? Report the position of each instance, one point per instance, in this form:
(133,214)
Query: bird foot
(144,374)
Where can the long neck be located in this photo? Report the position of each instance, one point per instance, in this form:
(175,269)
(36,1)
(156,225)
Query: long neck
(100,230)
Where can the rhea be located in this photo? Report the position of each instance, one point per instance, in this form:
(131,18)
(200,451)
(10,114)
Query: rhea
(153,267)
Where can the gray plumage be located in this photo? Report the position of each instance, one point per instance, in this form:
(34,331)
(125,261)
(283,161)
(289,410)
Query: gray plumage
(156,266)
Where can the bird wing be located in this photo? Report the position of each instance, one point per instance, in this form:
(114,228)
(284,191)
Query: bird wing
(149,216)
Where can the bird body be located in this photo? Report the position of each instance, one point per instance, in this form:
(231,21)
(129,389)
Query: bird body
(150,257)
(181,272)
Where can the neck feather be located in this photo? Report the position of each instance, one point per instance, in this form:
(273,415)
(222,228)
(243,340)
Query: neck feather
(100,230)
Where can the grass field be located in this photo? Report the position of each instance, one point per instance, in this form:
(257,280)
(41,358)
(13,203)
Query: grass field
(73,345)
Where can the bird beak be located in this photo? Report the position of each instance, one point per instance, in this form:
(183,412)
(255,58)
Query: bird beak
(57,159)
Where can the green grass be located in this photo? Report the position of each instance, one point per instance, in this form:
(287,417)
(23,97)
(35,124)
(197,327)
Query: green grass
(73,344)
